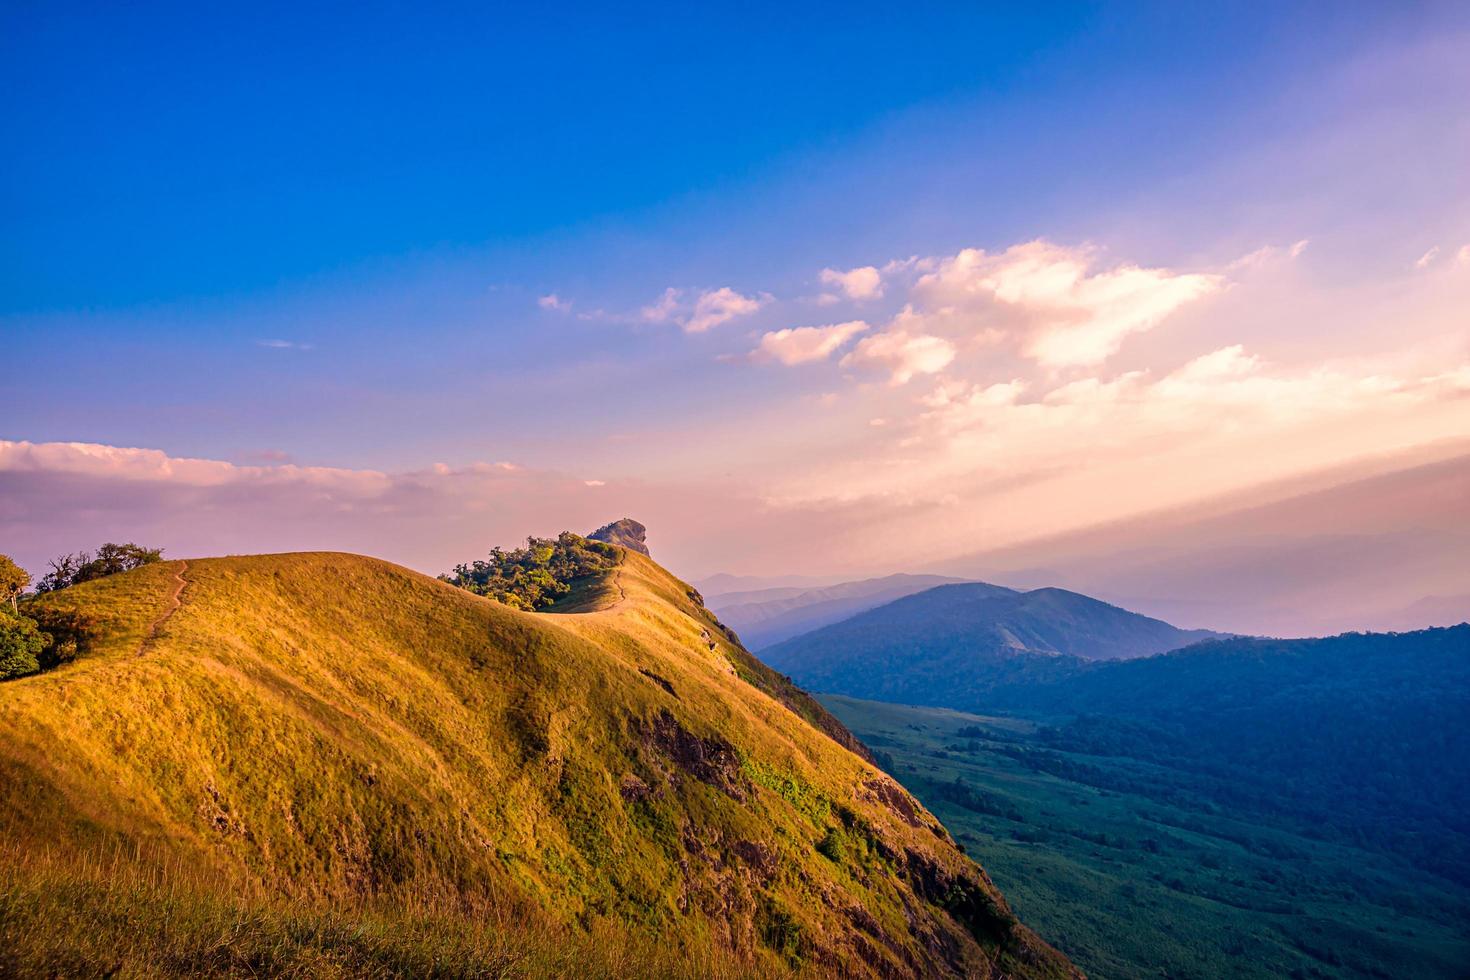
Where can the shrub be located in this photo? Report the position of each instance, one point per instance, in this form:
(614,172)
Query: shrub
(831,847)
(72,633)
(21,644)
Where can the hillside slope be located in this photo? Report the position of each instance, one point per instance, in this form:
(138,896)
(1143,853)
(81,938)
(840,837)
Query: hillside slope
(950,645)
(1365,733)
(349,733)
(769,616)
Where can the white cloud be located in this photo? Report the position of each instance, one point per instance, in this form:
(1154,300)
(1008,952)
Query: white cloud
(903,354)
(719,306)
(1269,254)
(709,309)
(1463,255)
(122,463)
(1227,362)
(1043,294)
(864,282)
(277,344)
(1224,391)
(1428,257)
(551,301)
(664,309)
(56,497)
(800,345)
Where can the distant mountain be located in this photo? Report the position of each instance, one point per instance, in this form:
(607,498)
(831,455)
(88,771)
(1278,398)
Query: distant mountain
(766,616)
(1434,610)
(724,583)
(1352,550)
(949,646)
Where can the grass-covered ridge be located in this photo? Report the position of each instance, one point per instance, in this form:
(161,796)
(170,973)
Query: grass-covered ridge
(308,739)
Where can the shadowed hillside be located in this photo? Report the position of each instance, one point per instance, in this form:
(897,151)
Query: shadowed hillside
(327,764)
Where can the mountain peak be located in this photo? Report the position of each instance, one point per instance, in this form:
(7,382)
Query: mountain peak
(626,533)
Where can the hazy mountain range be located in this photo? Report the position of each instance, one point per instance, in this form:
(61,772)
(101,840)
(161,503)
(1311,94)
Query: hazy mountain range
(1376,545)
(949,645)
(1354,550)
(766,616)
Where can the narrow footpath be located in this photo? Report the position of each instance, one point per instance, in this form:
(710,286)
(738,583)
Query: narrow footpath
(174,602)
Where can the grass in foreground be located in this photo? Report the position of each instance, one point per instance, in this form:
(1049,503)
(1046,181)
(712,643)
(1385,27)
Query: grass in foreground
(111,916)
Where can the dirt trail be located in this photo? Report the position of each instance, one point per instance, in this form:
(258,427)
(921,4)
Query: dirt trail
(618,581)
(174,602)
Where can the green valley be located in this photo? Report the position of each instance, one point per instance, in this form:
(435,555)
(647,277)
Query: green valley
(1132,872)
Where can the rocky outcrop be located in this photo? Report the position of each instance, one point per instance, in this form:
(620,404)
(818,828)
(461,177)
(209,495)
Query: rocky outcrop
(626,533)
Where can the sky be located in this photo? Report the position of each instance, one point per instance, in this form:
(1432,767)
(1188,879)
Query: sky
(818,292)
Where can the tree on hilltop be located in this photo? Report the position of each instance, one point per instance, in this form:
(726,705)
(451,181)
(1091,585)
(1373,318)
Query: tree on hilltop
(13,581)
(69,570)
(537,575)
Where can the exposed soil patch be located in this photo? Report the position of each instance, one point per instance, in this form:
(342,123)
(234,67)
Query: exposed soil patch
(891,795)
(710,760)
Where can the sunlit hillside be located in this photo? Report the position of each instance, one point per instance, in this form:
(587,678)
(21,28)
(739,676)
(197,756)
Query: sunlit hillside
(322,764)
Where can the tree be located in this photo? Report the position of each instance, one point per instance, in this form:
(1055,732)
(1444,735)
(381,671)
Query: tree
(535,576)
(20,646)
(69,570)
(13,581)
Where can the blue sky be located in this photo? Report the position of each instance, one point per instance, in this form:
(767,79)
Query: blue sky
(170,155)
(383,240)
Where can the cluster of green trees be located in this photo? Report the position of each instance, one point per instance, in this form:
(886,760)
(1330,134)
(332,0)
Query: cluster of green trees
(539,574)
(110,559)
(21,640)
(36,638)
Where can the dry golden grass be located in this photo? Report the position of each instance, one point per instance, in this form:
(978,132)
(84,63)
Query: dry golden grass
(109,915)
(346,767)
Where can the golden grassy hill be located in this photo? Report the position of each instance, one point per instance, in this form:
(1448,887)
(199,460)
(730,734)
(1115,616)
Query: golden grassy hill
(324,764)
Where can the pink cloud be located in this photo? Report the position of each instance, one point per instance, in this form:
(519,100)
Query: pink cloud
(801,345)
(1063,313)
(904,355)
(862,283)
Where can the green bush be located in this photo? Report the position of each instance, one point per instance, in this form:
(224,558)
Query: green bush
(21,644)
(72,632)
(537,575)
(831,846)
